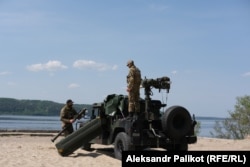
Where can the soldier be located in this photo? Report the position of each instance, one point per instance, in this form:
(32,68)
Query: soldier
(67,115)
(133,88)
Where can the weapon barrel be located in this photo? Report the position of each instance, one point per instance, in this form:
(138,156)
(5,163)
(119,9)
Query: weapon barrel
(64,128)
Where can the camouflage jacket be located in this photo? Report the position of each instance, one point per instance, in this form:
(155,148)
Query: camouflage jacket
(66,114)
(133,78)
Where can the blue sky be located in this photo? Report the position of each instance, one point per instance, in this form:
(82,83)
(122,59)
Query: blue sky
(55,50)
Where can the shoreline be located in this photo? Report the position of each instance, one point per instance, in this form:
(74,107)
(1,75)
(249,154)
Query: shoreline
(28,132)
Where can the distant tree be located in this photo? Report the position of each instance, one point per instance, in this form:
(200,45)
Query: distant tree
(237,126)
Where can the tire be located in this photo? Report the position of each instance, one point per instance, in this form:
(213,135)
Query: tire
(176,122)
(122,143)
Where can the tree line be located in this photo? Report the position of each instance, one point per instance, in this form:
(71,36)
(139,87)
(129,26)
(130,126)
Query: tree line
(11,106)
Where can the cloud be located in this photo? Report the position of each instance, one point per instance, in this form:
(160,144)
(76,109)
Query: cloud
(89,64)
(174,72)
(247,74)
(73,85)
(4,73)
(52,65)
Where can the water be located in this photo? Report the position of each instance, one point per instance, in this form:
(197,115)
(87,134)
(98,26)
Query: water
(207,125)
(11,122)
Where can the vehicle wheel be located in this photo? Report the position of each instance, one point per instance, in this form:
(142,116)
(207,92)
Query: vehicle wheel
(122,143)
(177,147)
(176,122)
(86,146)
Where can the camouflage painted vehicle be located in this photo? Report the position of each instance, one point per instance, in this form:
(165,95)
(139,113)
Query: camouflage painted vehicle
(172,129)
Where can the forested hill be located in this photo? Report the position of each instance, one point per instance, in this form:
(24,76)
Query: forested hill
(10,106)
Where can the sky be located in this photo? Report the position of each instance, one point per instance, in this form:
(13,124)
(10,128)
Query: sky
(59,50)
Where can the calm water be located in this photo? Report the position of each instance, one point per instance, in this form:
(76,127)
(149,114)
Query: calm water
(207,125)
(10,122)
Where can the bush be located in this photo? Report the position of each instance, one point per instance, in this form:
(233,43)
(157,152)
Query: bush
(237,126)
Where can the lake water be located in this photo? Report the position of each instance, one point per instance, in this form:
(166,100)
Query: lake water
(13,122)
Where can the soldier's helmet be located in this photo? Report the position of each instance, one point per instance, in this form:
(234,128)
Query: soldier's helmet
(130,63)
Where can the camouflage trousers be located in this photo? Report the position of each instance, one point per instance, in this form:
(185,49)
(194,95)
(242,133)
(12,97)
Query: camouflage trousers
(68,130)
(133,102)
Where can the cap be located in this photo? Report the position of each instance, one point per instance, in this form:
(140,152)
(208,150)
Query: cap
(130,62)
(69,101)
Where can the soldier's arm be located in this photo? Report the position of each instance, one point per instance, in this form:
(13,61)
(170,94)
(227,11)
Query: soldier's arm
(63,117)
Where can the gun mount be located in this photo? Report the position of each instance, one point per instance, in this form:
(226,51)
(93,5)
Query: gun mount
(158,83)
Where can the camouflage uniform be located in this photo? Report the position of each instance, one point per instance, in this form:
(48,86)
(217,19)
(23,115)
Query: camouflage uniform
(133,87)
(67,113)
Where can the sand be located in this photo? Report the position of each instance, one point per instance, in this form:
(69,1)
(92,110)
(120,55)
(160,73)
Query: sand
(34,150)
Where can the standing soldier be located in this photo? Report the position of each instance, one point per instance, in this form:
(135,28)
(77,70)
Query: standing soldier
(67,115)
(133,88)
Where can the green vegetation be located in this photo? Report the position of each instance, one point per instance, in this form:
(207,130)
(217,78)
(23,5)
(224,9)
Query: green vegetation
(237,126)
(197,129)
(9,106)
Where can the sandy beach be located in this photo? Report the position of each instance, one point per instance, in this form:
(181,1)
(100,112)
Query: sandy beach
(37,150)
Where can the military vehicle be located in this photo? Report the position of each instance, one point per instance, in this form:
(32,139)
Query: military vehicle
(172,129)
